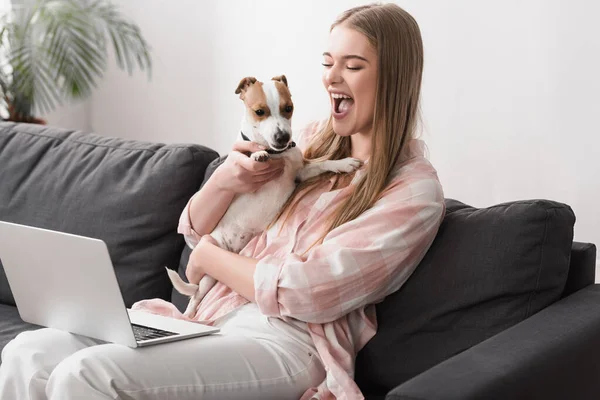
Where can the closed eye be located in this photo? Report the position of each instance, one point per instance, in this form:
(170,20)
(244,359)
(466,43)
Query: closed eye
(350,68)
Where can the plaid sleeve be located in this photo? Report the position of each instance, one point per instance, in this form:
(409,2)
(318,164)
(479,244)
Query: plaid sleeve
(359,262)
(185,227)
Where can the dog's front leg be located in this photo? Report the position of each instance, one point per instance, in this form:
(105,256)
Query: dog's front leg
(311,170)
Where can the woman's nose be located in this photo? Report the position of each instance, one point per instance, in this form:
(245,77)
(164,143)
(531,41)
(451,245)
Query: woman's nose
(333,75)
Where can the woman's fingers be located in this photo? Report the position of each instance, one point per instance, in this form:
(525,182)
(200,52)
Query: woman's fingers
(274,166)
(259,167)
(266,177)
(247,147)
(253,166)
(243,174)
(192,274)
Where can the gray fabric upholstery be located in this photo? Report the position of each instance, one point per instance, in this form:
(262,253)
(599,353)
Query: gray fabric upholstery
(487,270)
(11,324)
(128,193)
(582,267)
(552,355)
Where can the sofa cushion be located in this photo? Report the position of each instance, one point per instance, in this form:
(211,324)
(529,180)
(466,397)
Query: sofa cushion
(487,270)
(128,193)
(11,325)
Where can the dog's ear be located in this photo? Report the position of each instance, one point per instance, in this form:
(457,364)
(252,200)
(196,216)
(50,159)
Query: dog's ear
(280,78)
(244,83)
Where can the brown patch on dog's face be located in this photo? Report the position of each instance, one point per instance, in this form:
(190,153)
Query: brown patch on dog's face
(256,102)
(286,106)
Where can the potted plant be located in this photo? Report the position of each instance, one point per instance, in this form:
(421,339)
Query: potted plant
(57,50)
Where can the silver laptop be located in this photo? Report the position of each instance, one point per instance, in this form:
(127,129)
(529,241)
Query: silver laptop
(67,282)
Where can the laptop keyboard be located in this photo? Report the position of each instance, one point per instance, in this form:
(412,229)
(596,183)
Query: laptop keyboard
(145,332)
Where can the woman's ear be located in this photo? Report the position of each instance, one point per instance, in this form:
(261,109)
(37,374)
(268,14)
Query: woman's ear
(244,83)
(280,78)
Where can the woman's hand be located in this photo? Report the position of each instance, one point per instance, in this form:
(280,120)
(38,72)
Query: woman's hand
(231,269)
(194,270)
(208,239)
(241,174)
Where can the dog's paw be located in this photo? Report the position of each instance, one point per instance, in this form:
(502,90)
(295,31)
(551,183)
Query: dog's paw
(261,156)
(346,165)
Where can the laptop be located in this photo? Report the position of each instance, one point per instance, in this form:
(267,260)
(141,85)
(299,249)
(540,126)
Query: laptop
(68,282)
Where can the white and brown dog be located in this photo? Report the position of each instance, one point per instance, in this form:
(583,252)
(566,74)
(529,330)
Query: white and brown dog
(267,121)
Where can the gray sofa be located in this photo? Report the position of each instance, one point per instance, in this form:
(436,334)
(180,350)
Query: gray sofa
(503,306)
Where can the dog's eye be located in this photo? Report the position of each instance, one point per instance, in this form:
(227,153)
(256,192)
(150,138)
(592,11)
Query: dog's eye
(260,112)
(289,108)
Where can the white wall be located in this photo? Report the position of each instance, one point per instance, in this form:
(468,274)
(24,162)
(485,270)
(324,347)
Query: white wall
(71,116)
(511,95)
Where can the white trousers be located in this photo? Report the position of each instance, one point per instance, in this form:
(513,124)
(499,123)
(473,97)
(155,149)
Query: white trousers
(253,357)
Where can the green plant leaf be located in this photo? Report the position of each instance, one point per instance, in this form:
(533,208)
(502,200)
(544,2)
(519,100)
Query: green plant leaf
(128,43)
(57,49)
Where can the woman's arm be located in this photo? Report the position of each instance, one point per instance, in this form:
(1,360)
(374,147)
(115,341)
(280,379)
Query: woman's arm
(233,270)
(207,207)
(359,262)
(238,174)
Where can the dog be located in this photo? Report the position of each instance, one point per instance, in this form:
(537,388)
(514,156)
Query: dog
(268,122)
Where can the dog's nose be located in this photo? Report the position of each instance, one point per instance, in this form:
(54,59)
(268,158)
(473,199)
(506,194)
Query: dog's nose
(282,137)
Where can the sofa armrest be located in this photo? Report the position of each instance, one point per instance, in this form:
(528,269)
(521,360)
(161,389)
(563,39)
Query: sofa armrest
(582,267)
(554,354)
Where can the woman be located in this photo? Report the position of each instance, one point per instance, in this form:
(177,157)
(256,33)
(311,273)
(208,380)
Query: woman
(296,305)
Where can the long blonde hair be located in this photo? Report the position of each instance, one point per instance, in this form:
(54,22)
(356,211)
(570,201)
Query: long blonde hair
(397,39)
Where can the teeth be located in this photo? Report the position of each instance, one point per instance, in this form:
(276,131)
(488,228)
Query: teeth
(340,96)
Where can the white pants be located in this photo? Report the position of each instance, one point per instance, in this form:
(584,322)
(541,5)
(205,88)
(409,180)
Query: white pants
(252,357)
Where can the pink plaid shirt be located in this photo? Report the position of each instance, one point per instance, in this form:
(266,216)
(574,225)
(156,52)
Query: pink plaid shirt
(335,286)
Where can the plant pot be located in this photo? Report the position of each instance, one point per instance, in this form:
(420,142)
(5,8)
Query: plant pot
(30,120)
(14,117)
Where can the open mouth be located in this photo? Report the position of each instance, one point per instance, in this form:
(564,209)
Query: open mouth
(342,104)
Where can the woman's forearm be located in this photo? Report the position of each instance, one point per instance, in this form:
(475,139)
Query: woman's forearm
(209,205)
(233,270)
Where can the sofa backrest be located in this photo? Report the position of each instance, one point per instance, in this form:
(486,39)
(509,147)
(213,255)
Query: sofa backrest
(128,193)
(486,270)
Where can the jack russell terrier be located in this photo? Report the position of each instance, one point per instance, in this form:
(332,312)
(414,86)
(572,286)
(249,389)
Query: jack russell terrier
(267,121)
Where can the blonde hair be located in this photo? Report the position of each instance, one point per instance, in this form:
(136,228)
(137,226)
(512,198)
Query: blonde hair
(397,39)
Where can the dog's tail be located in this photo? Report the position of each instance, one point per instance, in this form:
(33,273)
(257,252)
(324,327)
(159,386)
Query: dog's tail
(182,287)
